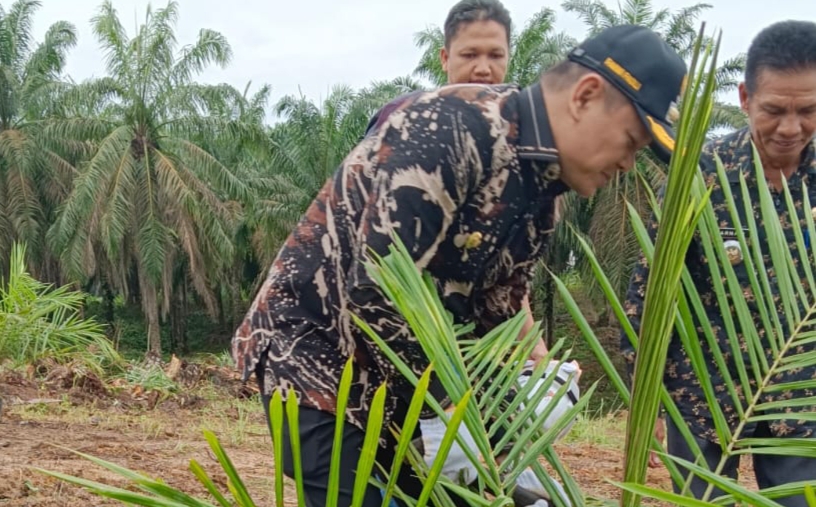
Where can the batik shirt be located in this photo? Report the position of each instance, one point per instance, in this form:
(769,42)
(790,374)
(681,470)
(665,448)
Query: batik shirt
(384,112)
(466,176)
(736,153)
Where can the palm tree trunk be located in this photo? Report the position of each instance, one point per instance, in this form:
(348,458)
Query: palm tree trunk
(150,307)
(110,308)
(178,321)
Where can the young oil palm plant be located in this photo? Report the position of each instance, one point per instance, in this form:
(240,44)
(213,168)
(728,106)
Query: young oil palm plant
(769,330)
(480,377)
(605,220)
(38,321)
(462,367)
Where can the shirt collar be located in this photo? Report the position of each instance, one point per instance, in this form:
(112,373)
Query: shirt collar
(744,155)
(536,143)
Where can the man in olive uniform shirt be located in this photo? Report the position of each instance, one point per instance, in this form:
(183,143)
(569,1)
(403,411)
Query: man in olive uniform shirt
(779,96)
(466,176)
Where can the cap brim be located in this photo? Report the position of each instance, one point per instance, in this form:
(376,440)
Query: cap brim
(661,132)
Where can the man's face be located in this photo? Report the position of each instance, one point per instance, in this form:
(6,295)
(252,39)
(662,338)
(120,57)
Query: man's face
(604,137)
(782,114)
(478,53)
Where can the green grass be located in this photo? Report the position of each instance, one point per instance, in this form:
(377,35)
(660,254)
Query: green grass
(606,399)
(597,429)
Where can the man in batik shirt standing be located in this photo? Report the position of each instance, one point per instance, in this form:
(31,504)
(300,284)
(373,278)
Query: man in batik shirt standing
(466,176)
(779,96)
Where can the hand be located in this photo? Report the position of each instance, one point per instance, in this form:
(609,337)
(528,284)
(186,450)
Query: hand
(539,352)
(578,370)
(660,434)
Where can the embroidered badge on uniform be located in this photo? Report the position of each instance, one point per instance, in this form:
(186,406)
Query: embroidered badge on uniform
(733,250)
(732,245)
(473,240)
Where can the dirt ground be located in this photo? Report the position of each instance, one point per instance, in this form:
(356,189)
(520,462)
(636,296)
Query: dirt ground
(43,416)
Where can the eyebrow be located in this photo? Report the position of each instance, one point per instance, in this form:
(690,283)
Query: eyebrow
(772,107)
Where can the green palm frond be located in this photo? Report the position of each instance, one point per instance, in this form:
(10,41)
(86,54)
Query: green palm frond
(18,41)
(114,40)
(679,216)
(211,47)
(536,48)
(431,41)
(730,73)
(498,356)
(48,59)
(39,321)
(770,332)
(728,116)
(594,13)
(637,12)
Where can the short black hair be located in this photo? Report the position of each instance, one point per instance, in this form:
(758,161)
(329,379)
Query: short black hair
(566,73)
(783,47)
(468,11)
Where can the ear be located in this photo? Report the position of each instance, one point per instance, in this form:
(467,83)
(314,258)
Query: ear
(443,57)
(743,96)
(586,92)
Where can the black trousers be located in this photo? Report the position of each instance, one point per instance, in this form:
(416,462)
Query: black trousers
(316,430)
(770,470)
(316,442)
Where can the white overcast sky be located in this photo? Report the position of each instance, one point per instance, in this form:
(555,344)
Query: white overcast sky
(306,46)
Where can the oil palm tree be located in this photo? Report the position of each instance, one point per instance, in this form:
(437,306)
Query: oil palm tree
(462,365)
(35,174)
(150,194)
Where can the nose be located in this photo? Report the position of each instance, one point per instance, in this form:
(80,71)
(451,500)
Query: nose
(482,68)
(627,164)
(790,126)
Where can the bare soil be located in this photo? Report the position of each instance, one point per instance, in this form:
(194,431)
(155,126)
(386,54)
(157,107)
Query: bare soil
(47,413)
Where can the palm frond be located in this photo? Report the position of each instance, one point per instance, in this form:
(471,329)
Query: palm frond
(114,40)
(431,41)
(728,116)
(211,47)
(49,58)
(17,24)
(536,48)
(594,13)
(730,73)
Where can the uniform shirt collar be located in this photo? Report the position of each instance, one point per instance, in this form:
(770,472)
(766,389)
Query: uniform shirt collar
(536,143)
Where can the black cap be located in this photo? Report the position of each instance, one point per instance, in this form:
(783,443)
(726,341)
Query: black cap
(639,63)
